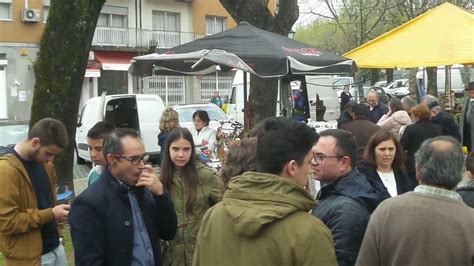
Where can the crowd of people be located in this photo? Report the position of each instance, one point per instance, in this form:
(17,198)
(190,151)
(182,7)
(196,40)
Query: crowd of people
(380,190)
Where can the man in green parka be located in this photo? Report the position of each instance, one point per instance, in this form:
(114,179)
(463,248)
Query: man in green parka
(264,217)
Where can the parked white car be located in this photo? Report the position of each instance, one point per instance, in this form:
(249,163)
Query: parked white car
(141,112)
(398,88)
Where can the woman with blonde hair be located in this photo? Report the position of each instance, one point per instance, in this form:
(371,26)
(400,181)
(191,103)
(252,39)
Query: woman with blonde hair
(169,121)
(415,134)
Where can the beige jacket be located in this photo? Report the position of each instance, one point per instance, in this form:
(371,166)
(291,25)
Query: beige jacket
(20,219)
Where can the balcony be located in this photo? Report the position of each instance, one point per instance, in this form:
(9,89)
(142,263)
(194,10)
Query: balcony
(130,37)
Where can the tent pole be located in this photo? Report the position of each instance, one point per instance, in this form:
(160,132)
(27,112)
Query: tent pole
(279,96)
(245,89)
(166,90)
(217,80)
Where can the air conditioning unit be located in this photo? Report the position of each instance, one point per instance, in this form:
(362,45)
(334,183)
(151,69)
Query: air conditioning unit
(30,15)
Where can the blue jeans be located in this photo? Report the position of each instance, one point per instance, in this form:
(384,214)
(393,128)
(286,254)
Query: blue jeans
(56,257)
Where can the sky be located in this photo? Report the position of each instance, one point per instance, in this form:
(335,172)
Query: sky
(306,6)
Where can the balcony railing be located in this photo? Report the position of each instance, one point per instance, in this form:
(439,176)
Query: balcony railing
(125,37)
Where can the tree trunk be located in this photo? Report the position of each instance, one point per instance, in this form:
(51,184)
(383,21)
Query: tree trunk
(389,75)
(432,84)
(60,69)
(413,89)
(374,76)
(263,92)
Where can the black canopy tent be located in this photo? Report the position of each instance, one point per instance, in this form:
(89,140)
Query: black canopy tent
(245,47)
(262,53)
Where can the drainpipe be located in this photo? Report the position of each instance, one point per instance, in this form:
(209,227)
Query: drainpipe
(26,4)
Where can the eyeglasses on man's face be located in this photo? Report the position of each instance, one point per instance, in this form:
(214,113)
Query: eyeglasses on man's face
(135,160)
(319,157)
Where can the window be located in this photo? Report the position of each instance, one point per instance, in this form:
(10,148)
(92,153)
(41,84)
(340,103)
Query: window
(166,28)
(113,17)
(46,4)
(6,9)
(215,24)
(166,21)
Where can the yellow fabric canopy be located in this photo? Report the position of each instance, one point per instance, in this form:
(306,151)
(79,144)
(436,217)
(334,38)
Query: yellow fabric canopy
(441,36)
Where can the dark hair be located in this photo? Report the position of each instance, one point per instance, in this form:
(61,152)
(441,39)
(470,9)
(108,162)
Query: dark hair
(421,112)
(189,171)
(381,136)
(100,130)
(240,158)
(349,105)
(470,162)
(50,132)
(361,110)
(395,105)
(346,144)
(440,162)
(281,140)
(203,115)
(470,86)
(112,144)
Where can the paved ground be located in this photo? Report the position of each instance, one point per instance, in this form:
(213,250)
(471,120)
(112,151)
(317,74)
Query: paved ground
(80,172)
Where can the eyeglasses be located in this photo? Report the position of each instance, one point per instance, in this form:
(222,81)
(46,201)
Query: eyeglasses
(318,157)
(135,160)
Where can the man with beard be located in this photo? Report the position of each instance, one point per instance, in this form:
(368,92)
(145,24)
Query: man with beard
(120,219)
(29,219)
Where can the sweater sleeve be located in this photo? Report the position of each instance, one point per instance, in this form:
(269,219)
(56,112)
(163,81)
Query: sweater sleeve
(369,254)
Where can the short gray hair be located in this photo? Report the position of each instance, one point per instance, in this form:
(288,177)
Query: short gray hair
(441,162)
(408,103)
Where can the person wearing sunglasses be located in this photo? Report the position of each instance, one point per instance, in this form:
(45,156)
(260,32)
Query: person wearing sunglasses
(347,197)
(120,219)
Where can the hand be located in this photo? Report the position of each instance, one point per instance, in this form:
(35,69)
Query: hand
(61,213)
(204,142)
(149,179)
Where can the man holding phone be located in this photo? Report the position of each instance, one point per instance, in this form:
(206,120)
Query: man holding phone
(29,217)
(126,210)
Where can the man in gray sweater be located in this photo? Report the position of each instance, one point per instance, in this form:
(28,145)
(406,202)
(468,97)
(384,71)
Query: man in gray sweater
(429,226)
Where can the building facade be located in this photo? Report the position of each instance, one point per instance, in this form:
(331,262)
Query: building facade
(125,28)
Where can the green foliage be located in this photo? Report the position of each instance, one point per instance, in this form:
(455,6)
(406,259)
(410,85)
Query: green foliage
(323,34)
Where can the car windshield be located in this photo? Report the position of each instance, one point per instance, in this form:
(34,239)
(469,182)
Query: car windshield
(186,112)
(12,134)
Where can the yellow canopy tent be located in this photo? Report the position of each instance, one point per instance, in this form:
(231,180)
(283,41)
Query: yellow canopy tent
(441,36)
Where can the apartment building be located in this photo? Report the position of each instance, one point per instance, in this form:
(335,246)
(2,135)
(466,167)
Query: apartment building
(125,28)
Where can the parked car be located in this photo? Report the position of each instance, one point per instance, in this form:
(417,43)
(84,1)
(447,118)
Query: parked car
(216,115)
(398,88)
(141,112)
(382,83)
(11,133)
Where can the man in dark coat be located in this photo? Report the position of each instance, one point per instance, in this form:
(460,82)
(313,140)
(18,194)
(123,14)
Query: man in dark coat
(377,109)
(467,190)
(466,124)
(361,128)
(348,198)
(120,219)
(443,119)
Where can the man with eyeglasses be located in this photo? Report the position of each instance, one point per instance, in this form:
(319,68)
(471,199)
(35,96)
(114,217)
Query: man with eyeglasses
(347,197)
(120,219)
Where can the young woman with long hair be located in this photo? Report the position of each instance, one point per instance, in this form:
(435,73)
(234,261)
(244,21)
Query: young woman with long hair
(194,188)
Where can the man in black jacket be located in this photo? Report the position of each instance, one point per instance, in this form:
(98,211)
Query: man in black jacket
(348,198)
(377,109)
(120,219)
(443,119)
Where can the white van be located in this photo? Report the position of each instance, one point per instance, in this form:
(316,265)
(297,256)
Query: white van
(456,80)
(141,112)
(328,88)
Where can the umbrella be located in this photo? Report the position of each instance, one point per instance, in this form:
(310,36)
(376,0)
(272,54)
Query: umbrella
(244,47)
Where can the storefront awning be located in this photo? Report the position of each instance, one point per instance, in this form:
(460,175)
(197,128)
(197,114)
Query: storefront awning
(119,61)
